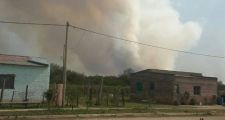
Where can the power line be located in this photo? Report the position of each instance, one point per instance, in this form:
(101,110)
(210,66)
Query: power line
(114,37)
(31,23)
(149,45)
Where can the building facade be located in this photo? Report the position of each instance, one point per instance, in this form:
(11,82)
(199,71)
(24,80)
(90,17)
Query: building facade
(24,78)
(170,87)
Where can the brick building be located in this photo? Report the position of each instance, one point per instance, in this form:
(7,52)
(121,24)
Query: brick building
(168,87)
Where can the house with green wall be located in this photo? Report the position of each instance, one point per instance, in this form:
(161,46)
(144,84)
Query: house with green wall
(23,78)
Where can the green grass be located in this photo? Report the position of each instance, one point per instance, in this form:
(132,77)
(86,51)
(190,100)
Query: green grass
(108,111)
(22,106)
(144,105)
(130,107)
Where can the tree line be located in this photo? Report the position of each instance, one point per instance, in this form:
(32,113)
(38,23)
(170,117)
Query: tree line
(76,78)
(93,90)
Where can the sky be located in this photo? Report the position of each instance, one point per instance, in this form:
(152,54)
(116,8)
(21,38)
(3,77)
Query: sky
(190,25)
(210,14)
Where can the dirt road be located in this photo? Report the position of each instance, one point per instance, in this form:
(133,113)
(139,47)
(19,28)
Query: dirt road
(160,118)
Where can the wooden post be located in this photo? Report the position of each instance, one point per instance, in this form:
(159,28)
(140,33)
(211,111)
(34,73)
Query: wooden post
(26,97)
(77,101)
(12,96)
(26,94)
(123,97)
(107,100)
(65,65)
(100,92)
(2,91)
(90,96)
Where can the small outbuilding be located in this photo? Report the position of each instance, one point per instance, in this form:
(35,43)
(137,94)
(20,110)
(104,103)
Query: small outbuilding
(23,78)
(173,87)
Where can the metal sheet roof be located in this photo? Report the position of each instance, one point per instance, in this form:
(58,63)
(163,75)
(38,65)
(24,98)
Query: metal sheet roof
(176,73)
(22,60)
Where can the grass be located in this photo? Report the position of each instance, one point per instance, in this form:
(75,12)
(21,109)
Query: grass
(22,106)
(55,111)
(130,107)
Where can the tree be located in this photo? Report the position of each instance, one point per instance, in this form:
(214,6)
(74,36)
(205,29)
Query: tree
(48,96)
(128,71)
(55,74)
(72,95)
(221,86)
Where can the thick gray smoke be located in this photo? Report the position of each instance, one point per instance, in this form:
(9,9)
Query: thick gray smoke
(148,21)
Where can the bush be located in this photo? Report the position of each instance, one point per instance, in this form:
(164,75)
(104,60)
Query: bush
(206,102)
(213,100)
(176,103)
(48,95)
(193,101)
(185,98)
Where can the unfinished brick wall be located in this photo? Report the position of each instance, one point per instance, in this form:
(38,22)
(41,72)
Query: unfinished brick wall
(208,90)
(163,87)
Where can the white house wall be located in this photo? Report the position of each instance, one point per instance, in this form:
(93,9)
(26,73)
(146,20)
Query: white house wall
(37,78)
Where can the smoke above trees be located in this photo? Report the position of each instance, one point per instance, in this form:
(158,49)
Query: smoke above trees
(153,22)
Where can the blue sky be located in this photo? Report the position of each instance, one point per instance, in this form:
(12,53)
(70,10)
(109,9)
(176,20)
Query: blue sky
(210,14)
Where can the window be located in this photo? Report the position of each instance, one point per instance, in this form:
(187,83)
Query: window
(139,86)
(151,86)
(177,88)
(197,90)
(9,81)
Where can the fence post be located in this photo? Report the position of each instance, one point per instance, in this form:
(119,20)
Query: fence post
(99,100)
(77,101)
(2,91)
(107,100)
(123,97)
(26,96)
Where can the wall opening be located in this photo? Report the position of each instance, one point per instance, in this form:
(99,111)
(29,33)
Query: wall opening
(9,81)
(151,86)
(197,90)
(139,87)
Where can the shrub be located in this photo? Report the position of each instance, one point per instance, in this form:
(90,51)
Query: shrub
(206,101)
(213,100)
(193,101)
(176,103)
(48,95)
(185,98)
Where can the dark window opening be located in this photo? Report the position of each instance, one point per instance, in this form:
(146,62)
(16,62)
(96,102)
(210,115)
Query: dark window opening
(151,86)
(9,81)
(139,86)
(197,90)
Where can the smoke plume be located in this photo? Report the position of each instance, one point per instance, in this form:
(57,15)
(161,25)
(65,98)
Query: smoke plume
(147,21)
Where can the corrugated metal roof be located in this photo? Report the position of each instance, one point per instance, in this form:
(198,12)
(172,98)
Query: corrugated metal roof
(22,60)
(176,73)
(179,73)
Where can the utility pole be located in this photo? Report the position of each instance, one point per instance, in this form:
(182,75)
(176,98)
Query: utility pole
(64,64)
